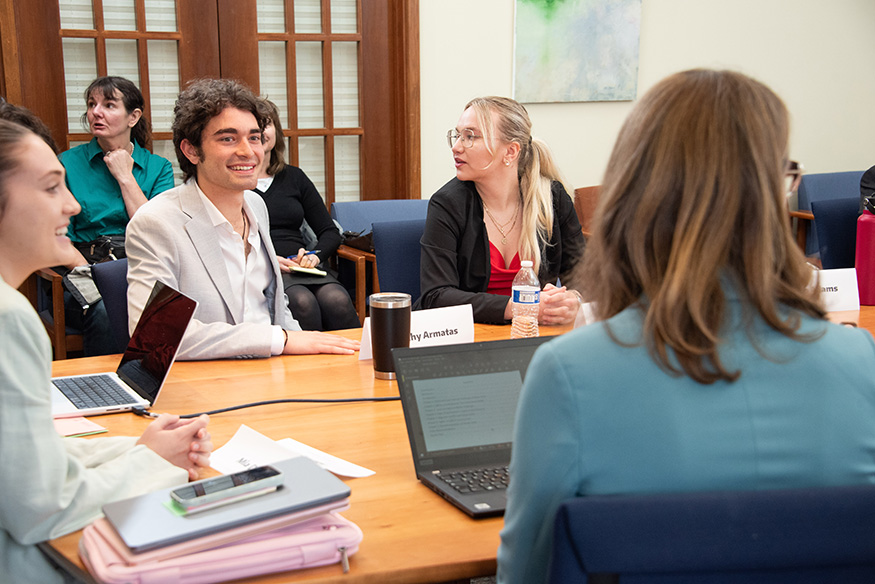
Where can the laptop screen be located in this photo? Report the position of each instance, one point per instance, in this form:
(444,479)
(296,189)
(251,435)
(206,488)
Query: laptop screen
(467,411)
(156,340)
(460,400)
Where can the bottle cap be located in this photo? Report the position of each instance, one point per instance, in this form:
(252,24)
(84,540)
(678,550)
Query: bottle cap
(526,263)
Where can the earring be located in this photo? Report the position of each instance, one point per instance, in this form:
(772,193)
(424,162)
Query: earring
(507,162)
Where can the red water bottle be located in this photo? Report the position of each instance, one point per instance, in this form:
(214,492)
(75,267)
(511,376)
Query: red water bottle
(865,257)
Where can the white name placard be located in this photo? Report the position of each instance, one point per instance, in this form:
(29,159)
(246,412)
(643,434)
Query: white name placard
(838,288)
(450,325)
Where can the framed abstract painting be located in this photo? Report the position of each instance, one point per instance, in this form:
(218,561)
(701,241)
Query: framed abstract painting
(576,50)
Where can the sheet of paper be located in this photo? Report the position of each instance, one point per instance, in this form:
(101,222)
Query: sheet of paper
(330,463)
(77,427)
(246,449)
(249,448)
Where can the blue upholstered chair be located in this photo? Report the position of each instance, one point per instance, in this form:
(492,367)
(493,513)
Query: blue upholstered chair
(358,216)
(835,222)
(823,186)
(396,245)
(111,279)
(778,536)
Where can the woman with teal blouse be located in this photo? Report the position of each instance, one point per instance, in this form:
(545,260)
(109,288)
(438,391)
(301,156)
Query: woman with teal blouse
(111,177)
(712,365)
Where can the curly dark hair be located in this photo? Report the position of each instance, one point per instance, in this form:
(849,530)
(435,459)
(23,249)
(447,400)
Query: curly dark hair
(200,102)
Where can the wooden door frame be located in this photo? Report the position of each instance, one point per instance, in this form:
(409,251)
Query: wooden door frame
(391,151)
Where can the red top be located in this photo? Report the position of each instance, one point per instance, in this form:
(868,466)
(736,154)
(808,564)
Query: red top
(501,278)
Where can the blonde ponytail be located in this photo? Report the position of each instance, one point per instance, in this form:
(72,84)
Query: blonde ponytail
(537,169)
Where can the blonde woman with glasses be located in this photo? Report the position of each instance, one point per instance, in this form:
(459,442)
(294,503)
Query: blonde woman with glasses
(506,204)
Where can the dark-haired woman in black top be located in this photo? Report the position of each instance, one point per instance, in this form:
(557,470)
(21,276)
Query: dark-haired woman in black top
(318,303)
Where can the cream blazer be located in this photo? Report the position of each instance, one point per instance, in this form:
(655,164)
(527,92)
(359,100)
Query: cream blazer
(172,239)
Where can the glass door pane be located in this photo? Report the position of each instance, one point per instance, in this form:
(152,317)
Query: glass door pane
(80,69)
(160,15)
(308,16)
(119,15)
(311,112)
(345,84)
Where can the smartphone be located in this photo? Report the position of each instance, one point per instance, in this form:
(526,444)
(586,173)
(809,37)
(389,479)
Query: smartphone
(210,493)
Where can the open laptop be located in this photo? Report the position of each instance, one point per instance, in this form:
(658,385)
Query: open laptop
(459,404)
(144,366)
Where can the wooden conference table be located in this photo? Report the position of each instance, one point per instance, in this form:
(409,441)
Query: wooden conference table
(410,533)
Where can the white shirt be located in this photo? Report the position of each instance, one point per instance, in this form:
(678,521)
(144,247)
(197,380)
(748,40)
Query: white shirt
(264,183)
(251,274)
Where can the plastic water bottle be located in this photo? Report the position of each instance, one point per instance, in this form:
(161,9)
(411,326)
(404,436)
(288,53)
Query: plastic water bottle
(526,299)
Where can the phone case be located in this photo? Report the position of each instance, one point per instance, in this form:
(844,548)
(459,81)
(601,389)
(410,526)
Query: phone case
(220,495)
(319,541)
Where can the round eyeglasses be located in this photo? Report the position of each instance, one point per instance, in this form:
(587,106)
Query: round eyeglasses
(466,136)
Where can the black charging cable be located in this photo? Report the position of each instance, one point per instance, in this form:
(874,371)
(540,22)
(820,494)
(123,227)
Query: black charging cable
(146,414)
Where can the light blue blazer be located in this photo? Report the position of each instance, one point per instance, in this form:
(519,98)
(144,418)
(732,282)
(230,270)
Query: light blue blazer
(596,417)
(172,239)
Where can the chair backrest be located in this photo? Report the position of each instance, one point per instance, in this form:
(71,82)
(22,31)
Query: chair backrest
(822,186)
(835,222)
(585,201)
(49,304)
(111,279)
(822,534)
(359,215)
(396,245)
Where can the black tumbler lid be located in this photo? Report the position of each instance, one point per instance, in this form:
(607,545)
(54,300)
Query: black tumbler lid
(390,300)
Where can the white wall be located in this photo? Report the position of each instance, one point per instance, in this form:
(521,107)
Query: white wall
(818,56)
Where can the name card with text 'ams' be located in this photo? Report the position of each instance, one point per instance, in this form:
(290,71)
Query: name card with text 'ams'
(838,288)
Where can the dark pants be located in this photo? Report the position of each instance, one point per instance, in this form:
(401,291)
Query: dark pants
(97,337)
(322,307)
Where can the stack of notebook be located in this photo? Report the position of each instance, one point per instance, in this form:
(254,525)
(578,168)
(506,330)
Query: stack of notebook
(142,537)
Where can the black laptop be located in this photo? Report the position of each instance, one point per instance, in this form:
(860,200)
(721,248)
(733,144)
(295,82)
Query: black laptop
(459,404)
(143,368)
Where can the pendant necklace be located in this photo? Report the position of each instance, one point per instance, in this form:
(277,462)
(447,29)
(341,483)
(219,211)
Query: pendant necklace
(501,227)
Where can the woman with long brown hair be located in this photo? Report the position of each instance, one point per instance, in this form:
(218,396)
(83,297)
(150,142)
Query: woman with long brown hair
(712,366)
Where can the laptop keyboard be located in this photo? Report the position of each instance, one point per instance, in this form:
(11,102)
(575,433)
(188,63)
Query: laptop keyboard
(472,481)
(93,391)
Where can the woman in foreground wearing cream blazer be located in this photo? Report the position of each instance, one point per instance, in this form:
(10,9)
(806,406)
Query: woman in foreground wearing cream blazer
(50,485)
